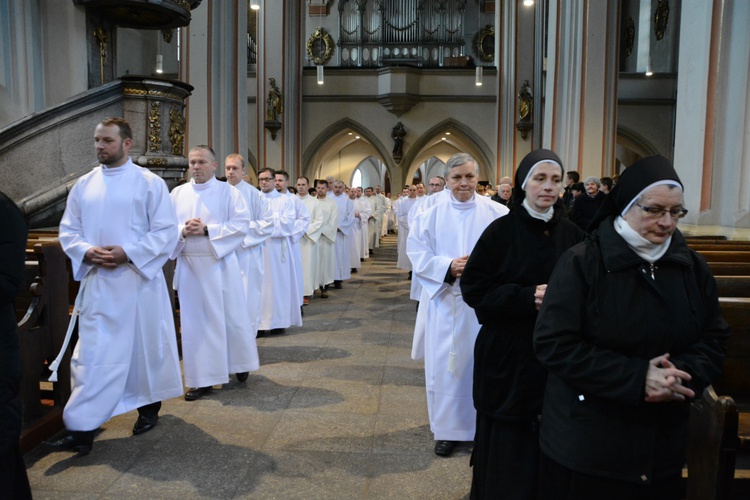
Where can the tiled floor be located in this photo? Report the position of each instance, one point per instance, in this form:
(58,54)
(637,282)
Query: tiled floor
(337,410)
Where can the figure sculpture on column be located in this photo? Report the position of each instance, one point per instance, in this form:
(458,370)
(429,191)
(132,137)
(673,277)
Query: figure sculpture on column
(274,108)
(397,134)
(274,105)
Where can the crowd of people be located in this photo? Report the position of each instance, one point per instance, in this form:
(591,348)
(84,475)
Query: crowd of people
(563,338)
(247,262)
(563,335)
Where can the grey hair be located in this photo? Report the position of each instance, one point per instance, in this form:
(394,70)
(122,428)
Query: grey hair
(593,179)
(459,159)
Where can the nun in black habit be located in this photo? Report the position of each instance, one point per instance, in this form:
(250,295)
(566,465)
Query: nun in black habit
(631,331)
(504,281)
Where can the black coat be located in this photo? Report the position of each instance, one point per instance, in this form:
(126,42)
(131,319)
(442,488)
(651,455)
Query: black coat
(584,208)
(12,256)
(602,320)
(514,255)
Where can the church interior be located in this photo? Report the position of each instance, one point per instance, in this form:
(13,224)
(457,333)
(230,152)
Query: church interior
(382,93)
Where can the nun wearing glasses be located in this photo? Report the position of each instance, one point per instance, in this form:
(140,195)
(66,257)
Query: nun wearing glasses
(630,332)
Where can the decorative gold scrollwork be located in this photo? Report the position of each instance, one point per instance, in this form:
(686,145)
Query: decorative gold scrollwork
(151,162)
(154,127)
(484,43)
(177,131)
(320,46)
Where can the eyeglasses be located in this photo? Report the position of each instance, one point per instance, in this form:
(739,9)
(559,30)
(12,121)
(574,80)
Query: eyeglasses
(265,179)
(658,213)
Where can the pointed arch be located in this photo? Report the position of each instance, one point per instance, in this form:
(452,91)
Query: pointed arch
(463,139)
(326,136)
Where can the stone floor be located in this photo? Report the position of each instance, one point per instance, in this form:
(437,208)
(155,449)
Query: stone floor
(337,410)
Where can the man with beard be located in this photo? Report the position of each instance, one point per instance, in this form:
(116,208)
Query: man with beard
(119,229)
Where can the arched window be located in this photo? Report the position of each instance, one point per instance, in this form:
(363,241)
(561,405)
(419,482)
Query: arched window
(356,178)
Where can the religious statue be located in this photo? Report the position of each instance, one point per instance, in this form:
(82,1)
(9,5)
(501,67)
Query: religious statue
(525,110)
(525,102)
(397,134)
(274,105)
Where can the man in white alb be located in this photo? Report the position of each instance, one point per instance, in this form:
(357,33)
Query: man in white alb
(301,221)
(281,302)
(439,244)
(119,229)
(217,337)
(402,216)
(365,210)
(250,254)
(355,237)
(327,241)
(345,206)
(309,241)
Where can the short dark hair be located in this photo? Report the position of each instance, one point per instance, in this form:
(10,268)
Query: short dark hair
(121,123)
(282,172)
(267,169)
(573,176)
(321,181)
(607,181)
(303,177)
(578,186)
(204,148)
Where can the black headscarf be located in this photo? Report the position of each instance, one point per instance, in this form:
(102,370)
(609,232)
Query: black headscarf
(530,161)
(632,182)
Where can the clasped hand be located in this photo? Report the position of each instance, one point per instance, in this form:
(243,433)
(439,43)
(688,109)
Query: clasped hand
(664,381)
(457,266)
(109,256)
(194,227)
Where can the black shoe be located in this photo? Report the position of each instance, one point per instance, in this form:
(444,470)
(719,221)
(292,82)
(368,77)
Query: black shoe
(145,423)
(370,252)
(323,293)
(354,270)
(196,393)
(361,259)
(80,441)
(409,275)
(337,284)
(444,448)
(262,333)
(242,376)
(277,331)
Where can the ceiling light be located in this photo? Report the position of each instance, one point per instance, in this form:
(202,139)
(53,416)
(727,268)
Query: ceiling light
(254,4)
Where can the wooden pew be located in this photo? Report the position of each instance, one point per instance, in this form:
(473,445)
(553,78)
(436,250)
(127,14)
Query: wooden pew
(735,381)
(712,447)
(729,268)
(41,332)
(726,256)
(733,286)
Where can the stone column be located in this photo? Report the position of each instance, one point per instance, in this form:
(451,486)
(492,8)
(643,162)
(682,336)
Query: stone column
(712,142)
(581,87)
(215,63)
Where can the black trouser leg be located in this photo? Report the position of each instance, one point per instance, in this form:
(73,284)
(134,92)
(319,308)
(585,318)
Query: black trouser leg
(150,409)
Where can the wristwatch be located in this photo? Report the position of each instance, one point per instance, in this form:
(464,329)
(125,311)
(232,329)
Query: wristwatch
(205,230)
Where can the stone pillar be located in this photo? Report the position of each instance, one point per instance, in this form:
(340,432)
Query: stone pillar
(215,63)
(712,142)
(581,87)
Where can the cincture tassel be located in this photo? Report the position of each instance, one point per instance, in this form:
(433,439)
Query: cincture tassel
(71,326)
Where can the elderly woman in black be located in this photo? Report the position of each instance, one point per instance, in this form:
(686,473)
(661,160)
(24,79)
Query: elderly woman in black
(504,282)
(630,331)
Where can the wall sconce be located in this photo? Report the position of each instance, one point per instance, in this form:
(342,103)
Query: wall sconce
(254,4)
(321,77)
(478,76)
(649,68)
(528,3)
(159,64)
